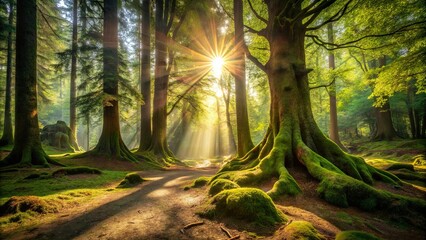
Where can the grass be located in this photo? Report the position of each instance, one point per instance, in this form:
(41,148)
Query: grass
(14,184)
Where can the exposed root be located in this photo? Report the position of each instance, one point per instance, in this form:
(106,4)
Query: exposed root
(28,157)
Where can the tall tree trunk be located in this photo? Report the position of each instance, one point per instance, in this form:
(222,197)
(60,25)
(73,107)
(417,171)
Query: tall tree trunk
(219,141)
(7,137)
(159,119)
(384,126)
(334,129)
(227,98)
(293,137)
(27,149)
(110,142)
(73,89)
(245,143)
(145,78)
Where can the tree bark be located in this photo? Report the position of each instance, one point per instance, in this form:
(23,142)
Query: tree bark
(334,129)
(245,143)
(227,98)
(27,149)
(384,125)
(145,78)
(7,137)
(73,89)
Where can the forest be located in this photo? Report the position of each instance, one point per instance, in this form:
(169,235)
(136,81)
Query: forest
(213,119)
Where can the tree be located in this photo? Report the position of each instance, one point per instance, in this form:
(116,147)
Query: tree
(27,149)
(110,142)
(243,129)
(145,77)
(7,137)
(164,15)
(384,125)
(293,138)
(73,89)
(334,131)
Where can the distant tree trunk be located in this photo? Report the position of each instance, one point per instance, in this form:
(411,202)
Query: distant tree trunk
(145,78)
(413,113)
(110,142)
(27,149)
(245,143)
(219,144)
(73,89)
(227,99)
(384,126)
(334,129)
(159,119)
(83,30)
(7,137)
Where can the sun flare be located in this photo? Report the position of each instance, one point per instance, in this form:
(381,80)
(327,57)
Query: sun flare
(217,65)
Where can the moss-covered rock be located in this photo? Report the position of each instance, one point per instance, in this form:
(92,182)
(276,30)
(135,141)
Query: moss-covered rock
(249,204)
(131,179)
(355,235)
(76,170)
(219,185)
(199,182)
(20,204)
(301,230)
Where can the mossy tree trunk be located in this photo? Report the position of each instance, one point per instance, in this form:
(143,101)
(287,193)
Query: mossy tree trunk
(110,142)
(27,149)
(145,77)
(244,142)
(7,137)
(293,137)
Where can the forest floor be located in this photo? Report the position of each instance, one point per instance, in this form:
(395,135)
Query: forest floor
(159,208)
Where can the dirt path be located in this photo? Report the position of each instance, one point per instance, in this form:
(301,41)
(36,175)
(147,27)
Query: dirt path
(157,209)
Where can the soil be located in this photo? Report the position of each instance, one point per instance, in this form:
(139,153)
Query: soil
(159,209)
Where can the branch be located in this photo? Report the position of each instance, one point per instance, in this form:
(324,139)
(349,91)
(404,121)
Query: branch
(334,46)
(249,29)
(358,61)
(186,92)
(253,59)
(50,26)
(324,85)
(339,14)
(256,14)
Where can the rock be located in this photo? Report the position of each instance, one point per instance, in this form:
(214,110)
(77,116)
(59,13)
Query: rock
(58,135)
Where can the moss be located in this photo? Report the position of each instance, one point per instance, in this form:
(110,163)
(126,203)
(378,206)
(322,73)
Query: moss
(27,203)
(397,166)
(43,175)
(76,170)
(249,204)
(355,235)
(131,179)
(219,185)
(302,230)
(410,175)
(199,182)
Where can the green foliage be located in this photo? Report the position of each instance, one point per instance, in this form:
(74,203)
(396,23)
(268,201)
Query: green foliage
(250,204)
(302,230)
(355,235)
(219,185)
(14,184)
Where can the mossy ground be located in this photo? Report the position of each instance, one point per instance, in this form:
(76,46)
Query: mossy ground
(249,204)
(355,235)
(301,230)
(131,180)
(219,185)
